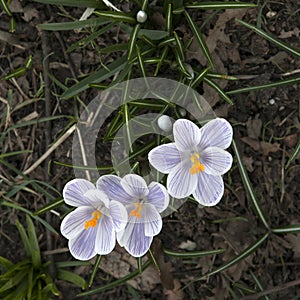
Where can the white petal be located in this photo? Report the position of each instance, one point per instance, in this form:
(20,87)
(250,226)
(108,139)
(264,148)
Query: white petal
(111,186)
(73,224)
(216,161)
(210,189)
(158,196)
(164,157)
(137,244)
(134,185)
(119,215)
(106,236)
(186,135)
(82,247)
(180,182)
(97,198)
(74,190)
(151,219)
(216,133)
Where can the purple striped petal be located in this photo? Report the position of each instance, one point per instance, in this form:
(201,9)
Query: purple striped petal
(216,161)
(97,198)
(134,185)
(164,157)
(180,182)
(158,196)
(73,224)
(186,135)
(151,219)
(216,133)
(106,236)
(82,247)
(119,215)
(111,186)
(209,190)
(74,190)
(134,240)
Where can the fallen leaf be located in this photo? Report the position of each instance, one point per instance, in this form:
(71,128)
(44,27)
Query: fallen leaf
(254,127)
(263,147)
(175,294)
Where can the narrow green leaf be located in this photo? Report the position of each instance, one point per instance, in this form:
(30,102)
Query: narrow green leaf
(149,33)
(132,41)
(16,73)
(116,16)
(5,263)
(287,229)
(12,24)
(13,282)
(94,22)
(71,277)
(52,205)
(9,154)
(257,282)
(199,77)
(96,77)
(140,264)
(265,86)
(95,269)
(192,253)
(154,260)
(248,187)
(115,282)
(162,59)
(34,244)
(5,7)
(75,3)
(140,61)
(199,38)
(272,39)
(249,250)
(219,5)
(24,238)
(218,89)
(294,155)
(179,46)
(75,263)
(169,18)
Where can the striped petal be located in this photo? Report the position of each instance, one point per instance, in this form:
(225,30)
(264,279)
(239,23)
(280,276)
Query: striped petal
(73,224)
(151,219)
(209,190)
(216,161)
(106,236)
(82,247)
(180,182)
(186,135)
(164,157)
(97,198)
(158,196)
(134,185)
(74,190)
(216,133)
(111,186)
(119,215)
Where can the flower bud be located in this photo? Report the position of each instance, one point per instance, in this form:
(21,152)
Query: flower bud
(141,16)
(164,123)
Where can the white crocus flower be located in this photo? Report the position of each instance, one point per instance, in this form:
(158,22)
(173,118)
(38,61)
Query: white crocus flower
(196,160)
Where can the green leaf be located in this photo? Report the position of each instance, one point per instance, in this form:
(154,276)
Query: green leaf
(294,155)
(192,253)
(295,228)
(34,245)
(73,25)
(219,5)
(5,263)
(115,282)
(71,277)
(199,38)
(271,38)
(52,205)
(95,269)
(24,238)
(116,16)
(249,188)
(14,281)
(132,41)
(5,7)
(75,3)
(96,77)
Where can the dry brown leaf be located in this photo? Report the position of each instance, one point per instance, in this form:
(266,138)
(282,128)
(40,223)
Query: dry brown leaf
(254,127)
(175,294)
(263,147)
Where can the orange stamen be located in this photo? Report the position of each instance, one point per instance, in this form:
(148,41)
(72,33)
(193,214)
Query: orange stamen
(197,167)
(93,222)
(137,211)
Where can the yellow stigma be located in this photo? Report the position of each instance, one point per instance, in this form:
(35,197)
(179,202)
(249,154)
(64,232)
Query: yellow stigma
(137,211)
(197,167)
(93,222)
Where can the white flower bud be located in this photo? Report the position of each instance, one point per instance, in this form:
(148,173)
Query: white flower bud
(141,16)
(164,123)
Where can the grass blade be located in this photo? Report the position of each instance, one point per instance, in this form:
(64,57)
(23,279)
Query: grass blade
(95,269)
(271,38)
(75,3)
(71,277)
(248,187)
(192,253)
(116,16)
(133,37)
(294,155)
(34,244)
(295,228)
(220,5)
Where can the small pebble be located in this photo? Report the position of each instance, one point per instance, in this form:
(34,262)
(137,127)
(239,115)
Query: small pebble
(141,16)
(272,101)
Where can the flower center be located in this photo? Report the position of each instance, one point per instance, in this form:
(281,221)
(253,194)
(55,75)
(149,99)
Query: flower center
(137,211)
(197,167)
(93,222)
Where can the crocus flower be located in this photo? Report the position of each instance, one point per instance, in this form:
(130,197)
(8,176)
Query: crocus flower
(196,160)
(91,228)
(144,205)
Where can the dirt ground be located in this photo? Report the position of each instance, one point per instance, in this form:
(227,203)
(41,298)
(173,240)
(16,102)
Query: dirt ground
(266,130)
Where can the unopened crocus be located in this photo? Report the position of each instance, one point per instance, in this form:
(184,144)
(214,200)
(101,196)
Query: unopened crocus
(91,228)
(144,205)
(196,160)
